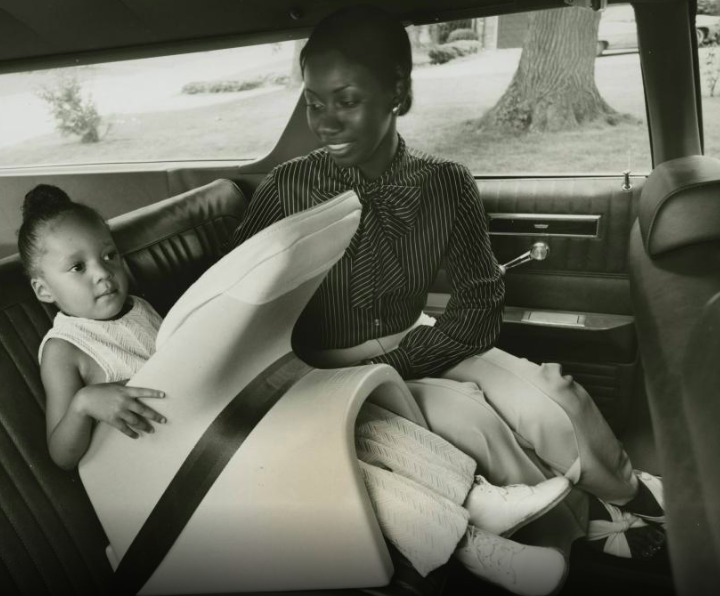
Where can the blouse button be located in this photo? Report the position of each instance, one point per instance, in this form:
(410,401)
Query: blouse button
(377,322)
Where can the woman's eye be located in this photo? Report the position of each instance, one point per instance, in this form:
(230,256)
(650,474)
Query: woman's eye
(313,107)
(348,103)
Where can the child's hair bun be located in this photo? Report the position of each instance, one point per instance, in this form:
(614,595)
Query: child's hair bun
(44,200)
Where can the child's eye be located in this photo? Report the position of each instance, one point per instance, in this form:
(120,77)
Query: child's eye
(77,267)
(111,256)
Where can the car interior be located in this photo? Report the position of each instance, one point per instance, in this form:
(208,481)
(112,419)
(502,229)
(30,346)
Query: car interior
(613,274)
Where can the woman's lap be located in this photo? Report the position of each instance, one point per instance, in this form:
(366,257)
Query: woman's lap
(556,417)
(459,412)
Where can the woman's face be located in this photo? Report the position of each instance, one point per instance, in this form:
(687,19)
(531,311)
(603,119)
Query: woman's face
(350,112)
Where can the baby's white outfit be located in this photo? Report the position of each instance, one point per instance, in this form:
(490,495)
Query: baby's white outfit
(119,346)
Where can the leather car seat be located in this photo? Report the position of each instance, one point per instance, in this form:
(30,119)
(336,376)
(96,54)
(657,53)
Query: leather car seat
(674,257)
(701,395)
(289,511)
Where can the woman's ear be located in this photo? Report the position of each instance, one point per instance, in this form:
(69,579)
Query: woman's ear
(400,96)
(41,289)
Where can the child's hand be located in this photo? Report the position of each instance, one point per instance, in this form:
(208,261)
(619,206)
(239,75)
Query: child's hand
(117,404)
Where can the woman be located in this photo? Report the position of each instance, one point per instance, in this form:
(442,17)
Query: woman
(419,211)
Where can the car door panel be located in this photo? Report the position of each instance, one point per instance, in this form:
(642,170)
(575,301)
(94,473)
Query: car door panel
(573,307)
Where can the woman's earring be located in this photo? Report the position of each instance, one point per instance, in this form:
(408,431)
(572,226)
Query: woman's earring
(395,109)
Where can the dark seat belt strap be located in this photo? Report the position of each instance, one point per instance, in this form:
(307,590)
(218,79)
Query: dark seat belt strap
(201,467)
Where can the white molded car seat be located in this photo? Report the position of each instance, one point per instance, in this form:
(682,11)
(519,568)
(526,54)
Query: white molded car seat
(289,511)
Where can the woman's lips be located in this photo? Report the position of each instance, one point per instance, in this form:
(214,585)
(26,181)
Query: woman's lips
(338,148)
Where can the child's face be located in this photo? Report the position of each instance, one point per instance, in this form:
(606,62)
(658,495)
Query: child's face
(80,270)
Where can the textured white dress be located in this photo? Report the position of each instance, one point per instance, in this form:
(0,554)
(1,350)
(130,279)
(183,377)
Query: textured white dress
(119,346)
(416,480)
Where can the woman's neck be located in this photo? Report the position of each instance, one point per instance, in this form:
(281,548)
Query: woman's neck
(383,158)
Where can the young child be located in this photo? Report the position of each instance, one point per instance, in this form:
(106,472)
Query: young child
(428,502)
(100,337)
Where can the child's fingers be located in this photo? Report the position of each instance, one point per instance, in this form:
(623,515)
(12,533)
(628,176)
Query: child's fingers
(137,422)
(146,412)
(143,392)
(125,429)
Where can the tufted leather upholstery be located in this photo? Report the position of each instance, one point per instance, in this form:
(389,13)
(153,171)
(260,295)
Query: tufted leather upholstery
(51,542)
(675,268)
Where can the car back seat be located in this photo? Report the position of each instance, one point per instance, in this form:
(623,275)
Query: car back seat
(51,542)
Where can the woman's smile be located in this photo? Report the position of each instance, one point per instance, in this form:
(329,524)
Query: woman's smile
(339,149)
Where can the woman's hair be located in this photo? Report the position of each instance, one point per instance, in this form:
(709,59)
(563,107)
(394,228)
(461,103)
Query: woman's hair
(367,35)
(44,205)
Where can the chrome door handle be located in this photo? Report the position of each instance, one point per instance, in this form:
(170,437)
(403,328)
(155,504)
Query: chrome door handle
(538,252)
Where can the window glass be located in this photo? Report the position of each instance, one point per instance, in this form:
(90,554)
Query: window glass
(225,104)
(233,104)
(499,94)
(707,24)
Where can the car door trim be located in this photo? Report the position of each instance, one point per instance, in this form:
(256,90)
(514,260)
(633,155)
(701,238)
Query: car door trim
(544,224)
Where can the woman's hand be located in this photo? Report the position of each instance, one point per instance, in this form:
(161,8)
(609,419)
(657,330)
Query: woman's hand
(118,405)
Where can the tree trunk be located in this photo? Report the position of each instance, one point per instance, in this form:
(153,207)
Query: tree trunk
(554,84)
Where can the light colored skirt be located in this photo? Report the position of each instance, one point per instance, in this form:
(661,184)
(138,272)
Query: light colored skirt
(417,482)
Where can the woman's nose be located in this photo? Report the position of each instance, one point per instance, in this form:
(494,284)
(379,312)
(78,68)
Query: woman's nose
(328,122)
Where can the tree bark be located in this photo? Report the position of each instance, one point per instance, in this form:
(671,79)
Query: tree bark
(554,85)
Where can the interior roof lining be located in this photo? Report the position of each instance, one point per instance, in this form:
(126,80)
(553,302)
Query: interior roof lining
(134,28)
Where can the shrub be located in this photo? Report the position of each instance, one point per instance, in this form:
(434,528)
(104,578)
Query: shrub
(711,7)
(449,51)
(710,68)
(232,86)
(462,34)
(74,115)
(443,30)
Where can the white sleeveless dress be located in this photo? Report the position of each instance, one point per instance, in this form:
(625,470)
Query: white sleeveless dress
(416,480)
(120,346)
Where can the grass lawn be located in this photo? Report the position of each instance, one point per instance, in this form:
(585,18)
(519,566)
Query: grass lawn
(449,99)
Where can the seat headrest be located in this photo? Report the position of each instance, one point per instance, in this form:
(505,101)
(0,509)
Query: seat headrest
(680,204)
(137,229)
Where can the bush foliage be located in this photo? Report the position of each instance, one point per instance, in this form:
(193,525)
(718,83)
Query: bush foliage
(74,114)
(711,7)
(233,86)
(449,51)
(462,34)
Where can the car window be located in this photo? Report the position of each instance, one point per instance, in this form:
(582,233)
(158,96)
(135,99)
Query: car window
(707,24)
(490,93)
(232,104)
(224,104)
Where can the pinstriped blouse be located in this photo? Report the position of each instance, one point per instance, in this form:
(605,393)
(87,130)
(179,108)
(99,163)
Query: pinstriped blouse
(422,212)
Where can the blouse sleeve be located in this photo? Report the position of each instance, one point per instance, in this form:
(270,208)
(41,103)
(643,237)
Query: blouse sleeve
(473,316)
(265,209)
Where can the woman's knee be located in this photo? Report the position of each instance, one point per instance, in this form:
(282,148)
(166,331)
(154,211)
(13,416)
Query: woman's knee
(573,397)
(456,404)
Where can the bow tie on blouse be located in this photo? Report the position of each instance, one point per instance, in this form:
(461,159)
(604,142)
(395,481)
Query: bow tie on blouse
(388,213)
